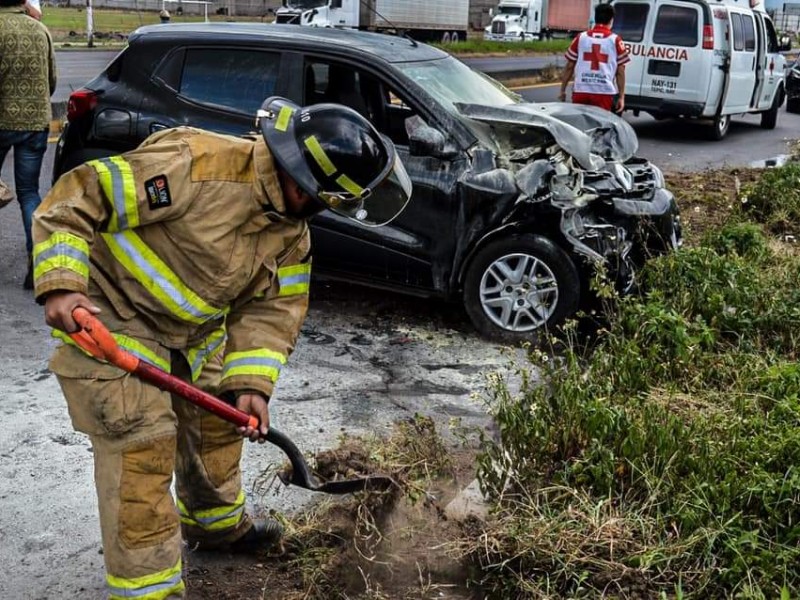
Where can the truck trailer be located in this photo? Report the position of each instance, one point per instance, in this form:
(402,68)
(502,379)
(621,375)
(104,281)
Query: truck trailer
(521,20)
(424,20)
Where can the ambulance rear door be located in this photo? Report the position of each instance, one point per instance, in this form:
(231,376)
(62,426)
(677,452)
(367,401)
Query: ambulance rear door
(630,22)
(678,61)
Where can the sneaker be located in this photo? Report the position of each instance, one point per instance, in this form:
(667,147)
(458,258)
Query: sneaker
(263,535)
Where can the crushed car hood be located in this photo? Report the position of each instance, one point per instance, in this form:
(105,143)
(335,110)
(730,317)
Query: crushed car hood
(580,130)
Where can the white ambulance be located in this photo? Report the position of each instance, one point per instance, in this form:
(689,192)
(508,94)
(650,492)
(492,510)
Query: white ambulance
(707,59)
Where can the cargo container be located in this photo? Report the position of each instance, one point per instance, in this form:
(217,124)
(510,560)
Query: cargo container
(425,20)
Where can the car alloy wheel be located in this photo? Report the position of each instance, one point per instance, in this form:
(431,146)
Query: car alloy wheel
(518,286)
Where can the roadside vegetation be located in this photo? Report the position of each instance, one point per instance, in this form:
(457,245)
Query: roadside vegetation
(660,460)
(486,48)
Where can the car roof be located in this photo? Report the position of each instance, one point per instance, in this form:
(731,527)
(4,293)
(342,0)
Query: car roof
(391,48)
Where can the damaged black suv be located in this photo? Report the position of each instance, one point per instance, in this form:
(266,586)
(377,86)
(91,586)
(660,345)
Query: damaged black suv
(515,204)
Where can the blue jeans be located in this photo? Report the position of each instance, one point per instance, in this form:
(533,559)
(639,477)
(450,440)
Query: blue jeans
(29,148)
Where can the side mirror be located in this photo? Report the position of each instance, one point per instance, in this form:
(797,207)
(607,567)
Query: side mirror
(424,140)
(784,43)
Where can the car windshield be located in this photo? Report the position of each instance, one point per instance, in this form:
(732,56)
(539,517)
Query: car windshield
(509,10)
(450,82)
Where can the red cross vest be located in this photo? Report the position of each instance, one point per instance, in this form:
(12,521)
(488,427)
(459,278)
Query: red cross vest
(596,64)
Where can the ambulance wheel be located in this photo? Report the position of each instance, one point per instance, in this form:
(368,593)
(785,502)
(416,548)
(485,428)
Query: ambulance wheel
(793,105)
(769,118)
(719,128)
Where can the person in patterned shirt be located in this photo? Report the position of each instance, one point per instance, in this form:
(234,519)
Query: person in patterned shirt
(597,58)
(27,80)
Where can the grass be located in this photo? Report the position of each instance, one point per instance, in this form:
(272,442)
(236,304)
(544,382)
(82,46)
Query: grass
(483,47)
(660,460)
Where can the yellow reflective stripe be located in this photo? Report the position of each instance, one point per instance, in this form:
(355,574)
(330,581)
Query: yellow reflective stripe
(61,251)
(133,346)
(198,356)
(350,185)
(156,586)
(116,179)
(284,115)
(214,519)
(158,279)
(259,363)
(294,279)
(319,155)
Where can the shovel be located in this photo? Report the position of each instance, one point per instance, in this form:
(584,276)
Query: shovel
(98,341)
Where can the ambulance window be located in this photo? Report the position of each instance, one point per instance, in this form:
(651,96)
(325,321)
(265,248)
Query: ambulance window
(749,33)
(629,21)
(738,33)
(676,26)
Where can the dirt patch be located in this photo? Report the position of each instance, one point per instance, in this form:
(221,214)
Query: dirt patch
(707,198)
(387,545)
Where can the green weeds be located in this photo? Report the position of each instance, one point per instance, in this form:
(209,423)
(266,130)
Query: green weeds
(663,462)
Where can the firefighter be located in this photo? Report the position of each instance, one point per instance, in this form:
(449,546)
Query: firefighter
(597,58)
(194,249)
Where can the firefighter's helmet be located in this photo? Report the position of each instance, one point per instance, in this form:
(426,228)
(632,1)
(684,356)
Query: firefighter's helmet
(338,158)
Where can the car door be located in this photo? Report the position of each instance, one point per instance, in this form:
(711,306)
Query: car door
(414,251)
(743,63)
(211,87)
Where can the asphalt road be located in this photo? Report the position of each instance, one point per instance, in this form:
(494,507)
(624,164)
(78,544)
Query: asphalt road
(672,144)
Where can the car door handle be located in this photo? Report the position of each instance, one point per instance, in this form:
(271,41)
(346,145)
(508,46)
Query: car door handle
(157,127)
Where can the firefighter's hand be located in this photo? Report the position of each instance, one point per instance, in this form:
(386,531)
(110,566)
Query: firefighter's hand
(256,405)
(58,307)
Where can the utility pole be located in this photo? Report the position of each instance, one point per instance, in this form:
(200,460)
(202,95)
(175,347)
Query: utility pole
(89,23)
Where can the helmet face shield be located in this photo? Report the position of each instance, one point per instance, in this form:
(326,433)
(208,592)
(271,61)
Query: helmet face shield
(374,206)
(338,158)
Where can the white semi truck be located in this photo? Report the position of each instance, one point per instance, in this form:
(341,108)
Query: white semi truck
(520,20)
(425,20)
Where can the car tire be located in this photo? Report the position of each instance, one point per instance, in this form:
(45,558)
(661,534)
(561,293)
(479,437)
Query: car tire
(519,287)
(719,127)
(769,118)
(793,105)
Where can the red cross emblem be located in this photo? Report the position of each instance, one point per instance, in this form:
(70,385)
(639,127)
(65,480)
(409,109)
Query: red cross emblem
(595,57)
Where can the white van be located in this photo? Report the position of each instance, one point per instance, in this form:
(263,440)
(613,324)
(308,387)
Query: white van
(705,59)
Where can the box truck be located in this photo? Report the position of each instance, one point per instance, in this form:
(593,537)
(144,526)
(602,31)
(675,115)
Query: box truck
(520,20)
(424,20)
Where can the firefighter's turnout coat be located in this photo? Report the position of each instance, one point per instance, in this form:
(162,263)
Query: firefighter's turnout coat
(185,245)
(189,234)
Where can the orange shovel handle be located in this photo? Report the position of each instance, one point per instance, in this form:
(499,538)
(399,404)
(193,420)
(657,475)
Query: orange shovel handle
(98,341)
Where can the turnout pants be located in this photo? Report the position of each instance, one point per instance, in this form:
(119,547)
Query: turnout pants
(140,437)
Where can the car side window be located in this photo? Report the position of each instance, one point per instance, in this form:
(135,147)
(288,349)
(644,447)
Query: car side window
(630,20)
(232,78)
(676,26)
(738,33)
(363,92)
(772,37)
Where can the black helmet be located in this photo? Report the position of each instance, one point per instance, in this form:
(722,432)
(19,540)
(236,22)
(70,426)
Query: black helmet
(338,158)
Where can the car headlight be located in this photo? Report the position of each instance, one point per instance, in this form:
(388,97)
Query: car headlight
(658,177)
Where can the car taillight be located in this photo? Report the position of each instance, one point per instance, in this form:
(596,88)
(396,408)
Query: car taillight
(708,37)
(80,102)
